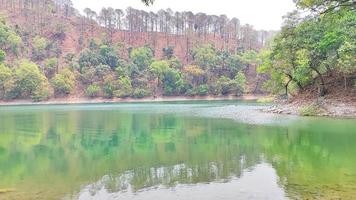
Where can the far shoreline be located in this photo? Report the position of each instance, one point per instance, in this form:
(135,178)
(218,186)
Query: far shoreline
(83,100)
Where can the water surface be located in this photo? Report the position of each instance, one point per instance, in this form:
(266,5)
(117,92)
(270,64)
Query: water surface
(174,150)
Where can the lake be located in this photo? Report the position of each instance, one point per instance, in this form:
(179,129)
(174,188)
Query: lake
(173,150)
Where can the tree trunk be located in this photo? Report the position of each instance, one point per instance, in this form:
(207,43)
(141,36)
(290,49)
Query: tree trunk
(293,79)
(286,87)
(322,91)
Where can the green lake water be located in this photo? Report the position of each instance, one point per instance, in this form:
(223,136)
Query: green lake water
(174,150)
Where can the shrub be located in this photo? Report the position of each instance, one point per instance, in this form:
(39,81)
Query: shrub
(39,45)
(109,87)
(50,66)
(9,40)
(88,58)
(240,83)
(175,63)
(123,87)
(63,83)
(122,71)
(108,56)
(142,57)
(214,89)
(30,82)
(5,79)
(140,93)
(225,85)
(236,86)
(173,84)
(102,70)
(69,57)
(310,110)
(202,90)
(40,95)
(88,76)
(191,92)
(93,90)
(205,56)
(2,56)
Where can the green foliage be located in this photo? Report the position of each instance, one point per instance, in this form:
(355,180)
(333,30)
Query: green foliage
(159,68)
(93,90)
(2,56)
(225,85)
(109,86)
(248,57)
(93,44)
(29,81)
(168,52)
(142,57)
(50,66)
(5,80)
(64,82)
(88,58)
(205,56)
(122,71)
(9,40)
(308,49)
(202,90)
(310,110)
(175,63)
(191,92)
(234,64)
(39,45)
(109,56)
(240,83)
(194,74)
(235,86)
(139,93)
(102,70)
(325,6)
(124,88)
(88,76)
(347,58)
(173,84)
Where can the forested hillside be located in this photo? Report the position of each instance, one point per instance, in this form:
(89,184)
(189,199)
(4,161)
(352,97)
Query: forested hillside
(49,50)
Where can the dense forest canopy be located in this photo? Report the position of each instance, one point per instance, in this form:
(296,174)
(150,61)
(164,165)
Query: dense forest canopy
(324,6)
(316,50)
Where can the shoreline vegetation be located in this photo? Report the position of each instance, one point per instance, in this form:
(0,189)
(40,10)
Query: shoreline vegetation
(84,100)
(297,107)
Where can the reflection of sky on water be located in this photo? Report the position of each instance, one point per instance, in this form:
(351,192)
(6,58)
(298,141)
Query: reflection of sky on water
(258,182)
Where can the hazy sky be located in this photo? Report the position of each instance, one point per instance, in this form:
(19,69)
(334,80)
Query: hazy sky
(262,14)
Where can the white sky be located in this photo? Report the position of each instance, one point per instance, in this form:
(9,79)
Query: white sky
(262,14)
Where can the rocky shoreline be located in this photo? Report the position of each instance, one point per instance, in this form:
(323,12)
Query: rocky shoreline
(325,107)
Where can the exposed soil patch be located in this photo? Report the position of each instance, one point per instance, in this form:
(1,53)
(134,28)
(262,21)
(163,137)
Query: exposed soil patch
(338,102)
